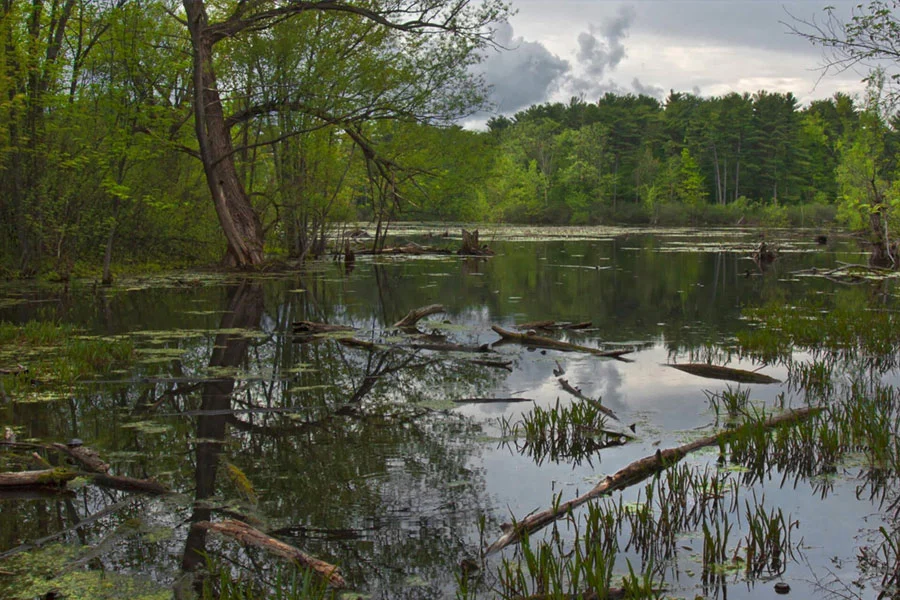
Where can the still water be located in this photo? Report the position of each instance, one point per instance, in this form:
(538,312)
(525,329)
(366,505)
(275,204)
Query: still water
(361,457)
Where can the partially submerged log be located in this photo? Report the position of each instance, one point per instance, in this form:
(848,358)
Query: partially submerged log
(494,364)
(764,255)
(415,315)
(724,373)
(555,325)
(491,400)
(531,339)
(314,328)
(577,393)
(633,474)
(86,457)
(472,247)
(44,478)
(130,484)
(409,249)
(448,347)
(250,536)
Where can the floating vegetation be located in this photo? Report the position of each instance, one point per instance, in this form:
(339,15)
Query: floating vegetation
(43,360)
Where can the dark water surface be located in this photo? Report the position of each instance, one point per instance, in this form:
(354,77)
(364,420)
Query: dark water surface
(361,457)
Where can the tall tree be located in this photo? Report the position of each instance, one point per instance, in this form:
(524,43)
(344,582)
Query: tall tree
(441,61)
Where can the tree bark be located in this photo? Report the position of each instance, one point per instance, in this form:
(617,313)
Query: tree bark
(239,221)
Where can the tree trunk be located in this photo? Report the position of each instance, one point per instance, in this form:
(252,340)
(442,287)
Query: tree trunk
(239,221)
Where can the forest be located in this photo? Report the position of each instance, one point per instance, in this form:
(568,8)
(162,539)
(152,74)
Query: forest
(128,129)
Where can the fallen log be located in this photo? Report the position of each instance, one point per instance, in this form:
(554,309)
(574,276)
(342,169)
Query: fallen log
(631,475)
(544,342)
(415,315)
(14,370)
(44,478)
(724,373)
(312,327)
(86,457)
(494,364)
(358,343)
(554,325)
(577,393)
(448,347)
(249,536)
(129,484)
(410,249)
(490,400)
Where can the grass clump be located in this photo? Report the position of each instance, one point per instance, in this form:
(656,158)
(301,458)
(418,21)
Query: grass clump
(56,357)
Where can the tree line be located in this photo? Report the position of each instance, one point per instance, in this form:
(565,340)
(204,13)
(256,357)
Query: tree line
(182,132)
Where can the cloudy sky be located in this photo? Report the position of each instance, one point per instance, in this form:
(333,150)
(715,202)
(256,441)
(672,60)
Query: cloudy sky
(564,48)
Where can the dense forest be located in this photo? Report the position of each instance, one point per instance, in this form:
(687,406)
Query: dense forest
(127,129)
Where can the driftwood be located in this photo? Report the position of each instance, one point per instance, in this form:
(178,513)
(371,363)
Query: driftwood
(610,594)
(414,316)
(631,475)
(86,457)
(544,342)
(494,364)
(411,249)
(724,373)
(45,478)
(358,343)
(577,393)
(129,484)
(249,536)
(472,247)
(313,328)
(490,400)
(448,347)
(554,325)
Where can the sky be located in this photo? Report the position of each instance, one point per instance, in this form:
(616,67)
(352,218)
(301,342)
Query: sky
(558,49)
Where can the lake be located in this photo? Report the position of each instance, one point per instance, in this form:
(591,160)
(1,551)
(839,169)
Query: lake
(364,455)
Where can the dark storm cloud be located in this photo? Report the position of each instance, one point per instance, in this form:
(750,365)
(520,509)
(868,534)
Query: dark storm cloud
(601,47)
(524,74)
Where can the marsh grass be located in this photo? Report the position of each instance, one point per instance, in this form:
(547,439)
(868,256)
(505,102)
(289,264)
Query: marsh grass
(573,433)
(56,356)
(222,581)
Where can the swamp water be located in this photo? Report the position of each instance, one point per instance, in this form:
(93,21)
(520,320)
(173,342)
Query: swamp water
(360,456)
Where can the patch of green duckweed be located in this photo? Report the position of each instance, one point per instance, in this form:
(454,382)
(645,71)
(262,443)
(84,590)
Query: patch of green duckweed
(41,571)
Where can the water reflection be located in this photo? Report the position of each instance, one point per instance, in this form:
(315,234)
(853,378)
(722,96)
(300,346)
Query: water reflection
(357,454)
(243,312)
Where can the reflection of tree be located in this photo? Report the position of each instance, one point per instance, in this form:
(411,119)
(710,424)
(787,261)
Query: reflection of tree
(244,311)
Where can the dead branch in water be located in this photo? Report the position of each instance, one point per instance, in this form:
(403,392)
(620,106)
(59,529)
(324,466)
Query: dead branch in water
(554,325)
(415,315)
(544,342)
(44,478)
(577,393)
(490,400)
(724,373)
(631,475)
(249,536)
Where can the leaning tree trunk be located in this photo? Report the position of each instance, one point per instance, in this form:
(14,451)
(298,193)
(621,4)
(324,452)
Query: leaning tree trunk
(239,221)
